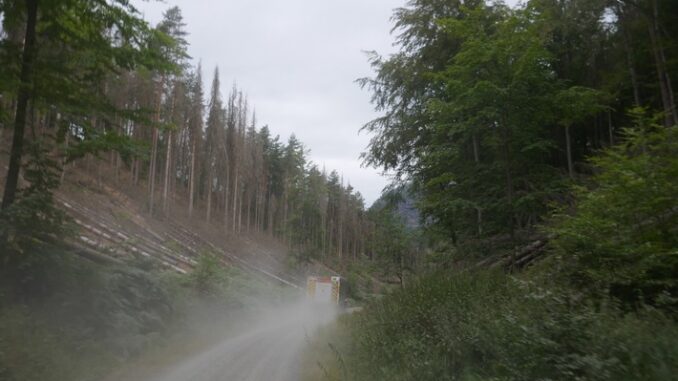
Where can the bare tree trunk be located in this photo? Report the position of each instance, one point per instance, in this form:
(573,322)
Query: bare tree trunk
(271,223)
(355,248)
(240,214)
(330,238)
(191,179)
(210,182)
(226,198)
(266,211)
(117,168)
(134,171)
(632,72)
(151,170)
(283,223)
(235,197)
(64,163)
(154,151)
(137,169)
(262,209)
(256,209)
(340,238)
(23,97)
(630,62)
(668,100)
(168,160)
(168,157)
(324,233)
(249,211)
(99,171)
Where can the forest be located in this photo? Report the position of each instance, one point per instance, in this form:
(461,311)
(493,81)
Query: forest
(535,145)
(106,93)
(539,144)
(490,113)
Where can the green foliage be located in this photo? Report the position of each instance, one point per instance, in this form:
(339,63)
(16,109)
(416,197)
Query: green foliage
(323,357)
(29,227)
(473,110)
(362,278)
(576,104)
(488,326)
(86,320)
(30,351)
(208,277)
(392,245)
(319,215)
(507,178)
(97,141)
(472,105)
(80,45)
(305,255)
(622,233)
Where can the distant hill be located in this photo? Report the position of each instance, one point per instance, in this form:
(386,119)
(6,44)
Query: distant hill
(403,201)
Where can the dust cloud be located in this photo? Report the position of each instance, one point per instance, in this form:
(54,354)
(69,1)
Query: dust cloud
(267,348)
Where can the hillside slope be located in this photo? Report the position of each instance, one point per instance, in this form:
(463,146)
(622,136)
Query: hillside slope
(111,223)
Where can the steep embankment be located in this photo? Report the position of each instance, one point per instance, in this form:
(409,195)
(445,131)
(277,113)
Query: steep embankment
(112,223)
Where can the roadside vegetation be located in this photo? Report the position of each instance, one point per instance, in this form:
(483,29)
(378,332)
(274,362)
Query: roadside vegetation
(601,306)
(541,143)
(85,320)
(488,326)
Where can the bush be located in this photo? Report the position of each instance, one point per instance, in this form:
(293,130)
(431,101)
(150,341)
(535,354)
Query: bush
(208,277)
(91,319)
(94,318)
(489,326)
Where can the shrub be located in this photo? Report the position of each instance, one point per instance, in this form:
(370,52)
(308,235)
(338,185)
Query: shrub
(208,277)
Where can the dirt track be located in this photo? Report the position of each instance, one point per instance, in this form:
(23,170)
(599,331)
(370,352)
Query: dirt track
(269,351)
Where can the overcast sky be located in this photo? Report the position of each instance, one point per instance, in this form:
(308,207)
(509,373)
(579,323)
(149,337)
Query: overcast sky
(298,61)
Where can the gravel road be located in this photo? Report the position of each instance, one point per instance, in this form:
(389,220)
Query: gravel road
(267,352)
